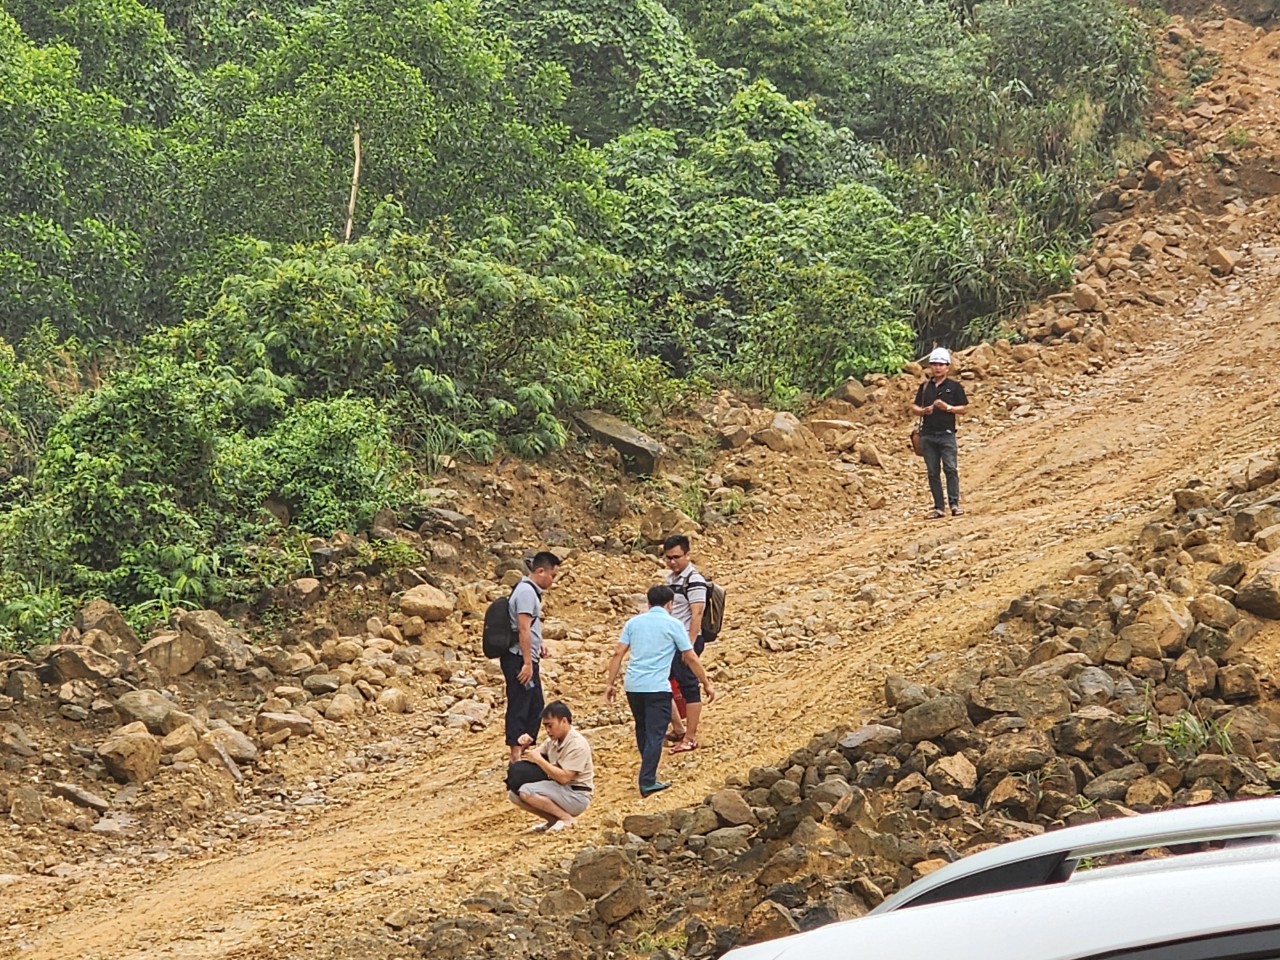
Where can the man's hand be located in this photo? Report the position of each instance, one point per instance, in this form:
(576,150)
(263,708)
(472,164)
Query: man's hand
(546,650)
(940,404)
(711,694)
(610,693)
(526,672)
(534,756)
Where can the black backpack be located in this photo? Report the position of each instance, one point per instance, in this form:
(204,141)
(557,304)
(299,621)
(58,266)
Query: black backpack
(498,637)
(712,610)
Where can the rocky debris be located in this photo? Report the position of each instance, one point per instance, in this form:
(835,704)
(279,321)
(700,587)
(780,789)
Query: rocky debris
(1127,687)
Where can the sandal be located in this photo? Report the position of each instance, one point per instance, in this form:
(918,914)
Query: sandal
(685,746)
(676,737)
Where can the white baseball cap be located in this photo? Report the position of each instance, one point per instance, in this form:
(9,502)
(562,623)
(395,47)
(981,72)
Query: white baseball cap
(940,355)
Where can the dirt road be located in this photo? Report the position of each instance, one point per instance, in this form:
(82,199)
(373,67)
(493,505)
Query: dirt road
(1095,461)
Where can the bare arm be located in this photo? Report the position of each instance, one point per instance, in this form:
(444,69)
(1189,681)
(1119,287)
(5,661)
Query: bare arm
(695,620)
(525,624)
(615,664)
(558,774)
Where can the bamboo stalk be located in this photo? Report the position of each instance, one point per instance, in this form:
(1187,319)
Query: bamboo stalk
(355,183)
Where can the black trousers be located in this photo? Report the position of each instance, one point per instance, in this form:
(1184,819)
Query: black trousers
(524,705)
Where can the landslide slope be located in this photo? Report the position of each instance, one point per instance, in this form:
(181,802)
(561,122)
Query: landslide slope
(1160,372)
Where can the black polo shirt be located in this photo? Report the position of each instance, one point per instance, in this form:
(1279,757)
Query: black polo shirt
(952,394)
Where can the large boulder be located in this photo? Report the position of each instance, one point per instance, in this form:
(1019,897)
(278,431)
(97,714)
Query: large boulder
(595,872)
(74,661)
(430,603)
(220,638)
(149,707)
(1031,698)
(102,615)
(1261,594)
(641,454)
(933,718)
(173,654)
(131,754)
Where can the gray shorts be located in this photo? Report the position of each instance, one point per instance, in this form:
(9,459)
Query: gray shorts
(571,801)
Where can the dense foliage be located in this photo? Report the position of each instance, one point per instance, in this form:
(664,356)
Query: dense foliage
(557,204)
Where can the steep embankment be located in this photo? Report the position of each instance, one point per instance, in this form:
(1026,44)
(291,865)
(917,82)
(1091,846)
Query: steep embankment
(1157,372)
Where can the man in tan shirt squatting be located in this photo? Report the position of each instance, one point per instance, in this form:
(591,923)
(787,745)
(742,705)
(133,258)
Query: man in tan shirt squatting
(565,757)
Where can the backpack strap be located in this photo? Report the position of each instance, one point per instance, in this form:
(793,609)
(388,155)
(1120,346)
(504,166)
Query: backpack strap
(682,586)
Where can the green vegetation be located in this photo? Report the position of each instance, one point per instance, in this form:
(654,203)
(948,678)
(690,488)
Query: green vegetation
(559,203)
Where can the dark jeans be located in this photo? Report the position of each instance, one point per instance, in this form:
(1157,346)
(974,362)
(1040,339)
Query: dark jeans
(652,712)
(524,707)
(940,456)
(684,677)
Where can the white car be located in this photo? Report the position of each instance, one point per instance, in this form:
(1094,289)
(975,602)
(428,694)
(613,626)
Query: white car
(1054,897)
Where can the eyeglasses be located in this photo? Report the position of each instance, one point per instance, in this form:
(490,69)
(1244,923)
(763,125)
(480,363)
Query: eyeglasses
(672,556)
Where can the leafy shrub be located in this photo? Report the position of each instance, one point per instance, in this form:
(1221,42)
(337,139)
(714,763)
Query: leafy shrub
(333,462)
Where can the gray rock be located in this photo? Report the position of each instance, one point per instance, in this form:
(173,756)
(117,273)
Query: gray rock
(934,718)
(622,901)
(295,723)
(641,454)
(219,637)
(147,706)
(1114,784)
(646,825)
(595,872)
(319,684)
(767,920)
(562,902)
(1090,731)
(731,809)
(234,743)
(77,662)
(26,806)
(954,776)
(732,839)
(1261,595)
(430,603)
(80,797)
(173,654)
(869,740)
(1032,698)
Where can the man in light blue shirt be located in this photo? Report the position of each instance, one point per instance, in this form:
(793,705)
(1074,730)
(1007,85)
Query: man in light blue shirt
(653,639)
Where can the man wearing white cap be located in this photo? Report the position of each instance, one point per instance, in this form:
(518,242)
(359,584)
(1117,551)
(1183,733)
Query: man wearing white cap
(938,401)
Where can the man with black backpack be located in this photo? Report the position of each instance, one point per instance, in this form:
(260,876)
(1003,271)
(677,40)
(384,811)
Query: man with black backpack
(690,589)
(520,662)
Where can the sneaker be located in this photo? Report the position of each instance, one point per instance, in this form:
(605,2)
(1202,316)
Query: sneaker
(649,788)
(957,510)
(540,827)
(560,825)
(937,515)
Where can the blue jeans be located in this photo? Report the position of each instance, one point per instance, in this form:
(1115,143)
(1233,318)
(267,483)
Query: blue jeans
(939,451)
(652,712)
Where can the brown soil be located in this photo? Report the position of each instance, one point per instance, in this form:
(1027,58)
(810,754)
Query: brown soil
(1094,463)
